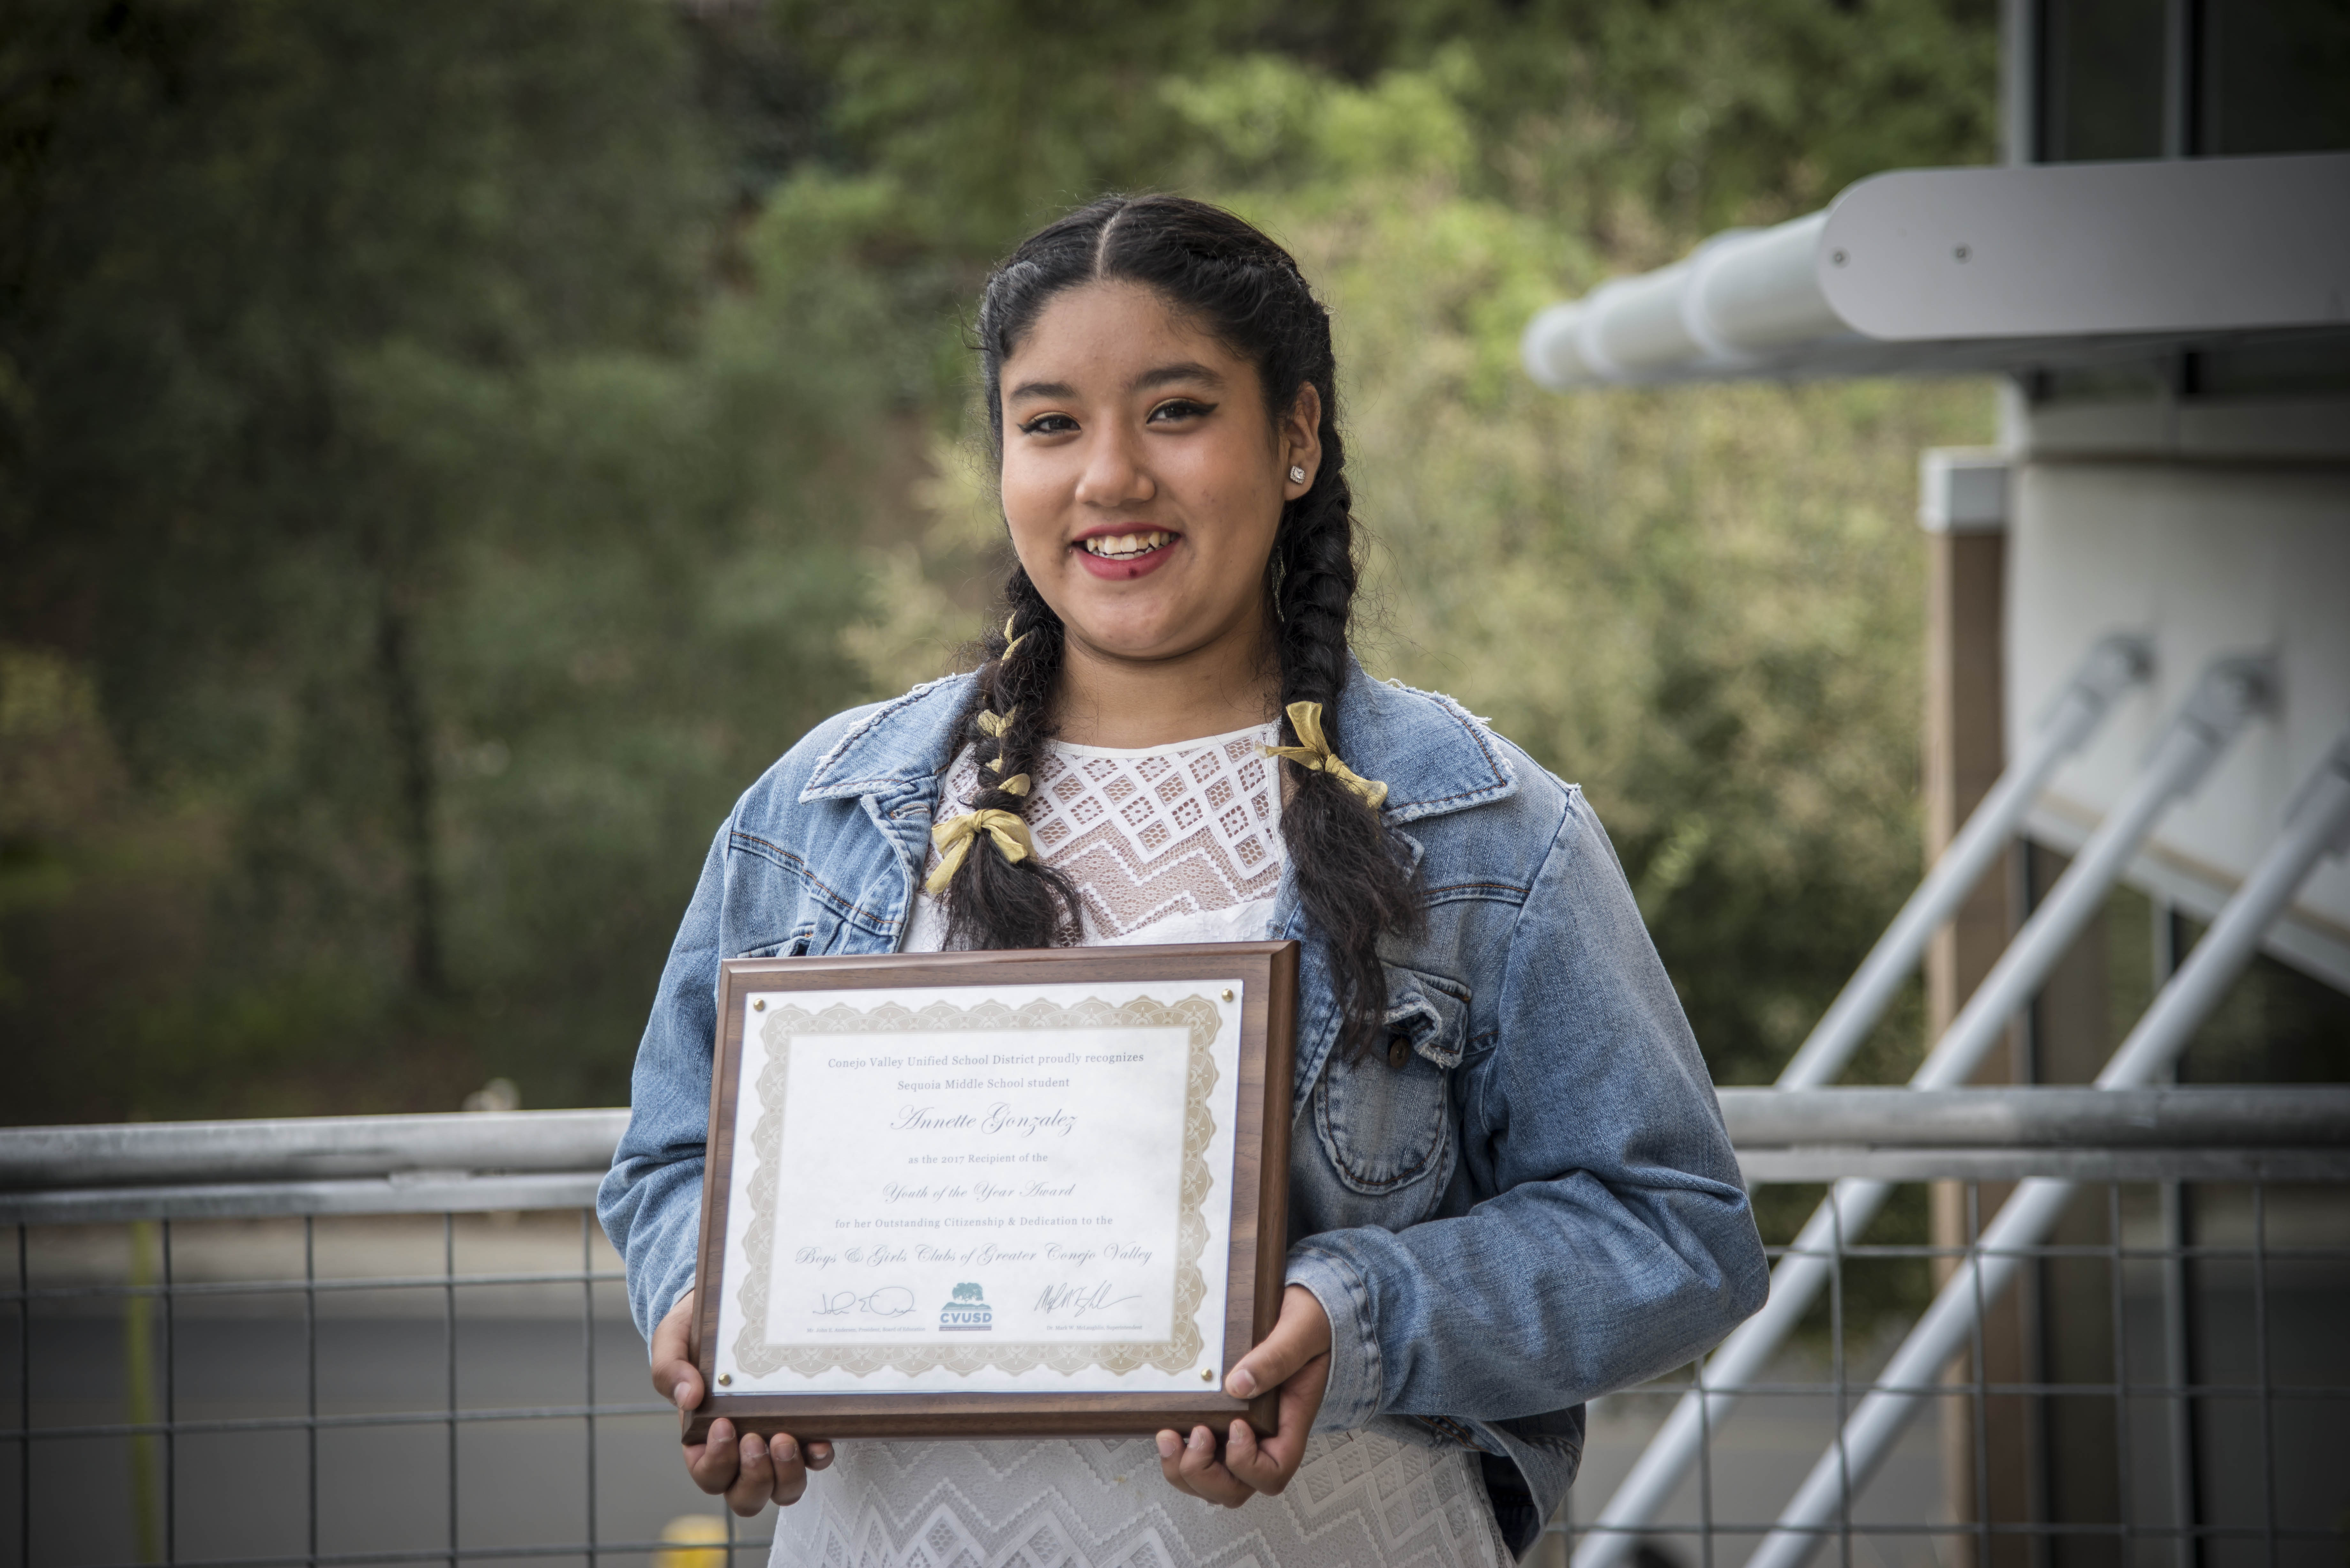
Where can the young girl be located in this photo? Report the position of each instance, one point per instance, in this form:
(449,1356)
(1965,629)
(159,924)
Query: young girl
(1510,1186)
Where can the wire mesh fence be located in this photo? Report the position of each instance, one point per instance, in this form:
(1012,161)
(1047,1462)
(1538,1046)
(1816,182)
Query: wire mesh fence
(408,1360)
(322,1389)
(2167,1386)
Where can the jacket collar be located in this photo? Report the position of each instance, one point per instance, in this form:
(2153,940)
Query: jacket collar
(904,743)
(1434,756)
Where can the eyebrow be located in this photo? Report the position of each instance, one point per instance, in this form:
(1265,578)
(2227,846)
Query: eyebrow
(1165,375)
(1159,376)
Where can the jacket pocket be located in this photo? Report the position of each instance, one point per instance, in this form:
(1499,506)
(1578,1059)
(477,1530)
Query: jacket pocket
(796,946)
(1385,1118)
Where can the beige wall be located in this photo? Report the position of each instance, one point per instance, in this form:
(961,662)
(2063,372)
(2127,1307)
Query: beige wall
(2206,556)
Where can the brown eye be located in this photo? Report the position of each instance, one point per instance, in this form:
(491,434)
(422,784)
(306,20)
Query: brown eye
(1176,409)
(1049,424)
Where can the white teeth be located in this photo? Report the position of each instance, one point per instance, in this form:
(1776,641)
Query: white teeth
(1123,546)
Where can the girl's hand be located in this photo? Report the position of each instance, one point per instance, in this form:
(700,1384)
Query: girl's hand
(751,1471)
(1296,1356)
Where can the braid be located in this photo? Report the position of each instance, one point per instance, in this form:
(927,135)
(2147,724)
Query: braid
(1355,884)
(992,903)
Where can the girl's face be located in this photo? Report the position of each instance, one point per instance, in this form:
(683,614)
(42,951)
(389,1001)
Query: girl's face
(1142,477)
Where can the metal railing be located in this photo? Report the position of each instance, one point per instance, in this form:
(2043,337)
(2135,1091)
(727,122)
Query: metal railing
(2217,1346)
(426,1304)
(298,1291)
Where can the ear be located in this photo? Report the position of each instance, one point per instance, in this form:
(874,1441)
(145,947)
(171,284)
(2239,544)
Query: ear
(1298,439)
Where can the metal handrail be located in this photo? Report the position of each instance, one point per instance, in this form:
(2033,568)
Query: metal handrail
(468,1162)
(307,1149)
(143,1154)
(2211,1117)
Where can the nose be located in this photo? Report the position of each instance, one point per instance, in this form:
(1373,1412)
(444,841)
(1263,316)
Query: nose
(1116,474)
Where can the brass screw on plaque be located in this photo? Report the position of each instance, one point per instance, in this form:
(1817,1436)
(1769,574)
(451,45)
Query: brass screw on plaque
(1228,996)
(1208,1373)
(725,1379)
(759,1006)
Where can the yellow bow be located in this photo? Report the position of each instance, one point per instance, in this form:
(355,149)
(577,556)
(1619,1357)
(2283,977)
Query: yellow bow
(1316,753)
(992,725)
(1010,641)
(954,840)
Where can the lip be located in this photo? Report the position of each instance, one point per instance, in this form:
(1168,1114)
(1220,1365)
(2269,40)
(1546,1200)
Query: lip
(1112,571)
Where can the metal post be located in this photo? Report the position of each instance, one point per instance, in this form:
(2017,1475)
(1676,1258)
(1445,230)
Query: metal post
(2228,692)
(25,1394)
(311,1385)
(449,1345)
(2125,1465)
(1980,1396)
(2260,1371)
(588,1341)
(2177,1301)
(2318,825)
(170,1407)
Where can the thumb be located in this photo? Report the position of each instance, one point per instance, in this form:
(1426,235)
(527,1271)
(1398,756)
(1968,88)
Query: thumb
(685,1392)
(1302,1333)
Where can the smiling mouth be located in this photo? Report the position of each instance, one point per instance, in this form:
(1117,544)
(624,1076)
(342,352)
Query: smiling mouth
(1128,546)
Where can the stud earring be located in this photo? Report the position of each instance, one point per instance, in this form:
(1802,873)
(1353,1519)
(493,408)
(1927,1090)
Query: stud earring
(1296,474)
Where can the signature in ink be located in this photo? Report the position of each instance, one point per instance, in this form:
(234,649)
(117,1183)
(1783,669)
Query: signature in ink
(890,1301)
(1077,1299)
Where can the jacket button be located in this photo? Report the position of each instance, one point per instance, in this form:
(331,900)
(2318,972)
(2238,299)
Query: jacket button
(1398,1051)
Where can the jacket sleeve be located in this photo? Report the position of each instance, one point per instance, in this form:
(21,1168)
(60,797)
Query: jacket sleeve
(1618,1242)
(651,1201)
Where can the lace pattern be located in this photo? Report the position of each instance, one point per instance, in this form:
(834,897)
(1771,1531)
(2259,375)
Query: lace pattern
(1187,834)
(1179,844)
(1361,1500)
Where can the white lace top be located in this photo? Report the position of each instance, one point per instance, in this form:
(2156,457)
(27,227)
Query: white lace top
(1177,844)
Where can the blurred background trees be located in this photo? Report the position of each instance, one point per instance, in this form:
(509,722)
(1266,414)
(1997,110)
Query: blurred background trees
(447,451)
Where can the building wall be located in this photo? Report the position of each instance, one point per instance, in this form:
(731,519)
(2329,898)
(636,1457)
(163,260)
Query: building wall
(2205,557)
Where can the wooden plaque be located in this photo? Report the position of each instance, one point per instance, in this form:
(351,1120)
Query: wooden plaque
(994,1194)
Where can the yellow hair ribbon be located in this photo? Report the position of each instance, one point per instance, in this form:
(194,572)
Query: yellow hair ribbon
(995,724)
(1316,756)
(1010,641)
(956,838)
(1016,784)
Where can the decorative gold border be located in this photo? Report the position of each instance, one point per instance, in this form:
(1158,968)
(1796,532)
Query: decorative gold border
(754,1354)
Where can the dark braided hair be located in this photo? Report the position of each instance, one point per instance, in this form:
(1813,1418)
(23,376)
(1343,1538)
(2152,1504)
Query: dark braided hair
(1237,285)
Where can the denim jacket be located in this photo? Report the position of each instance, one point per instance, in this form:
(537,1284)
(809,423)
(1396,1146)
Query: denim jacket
(1531,1203)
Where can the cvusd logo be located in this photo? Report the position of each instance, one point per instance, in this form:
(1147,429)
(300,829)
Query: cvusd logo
(968,1312)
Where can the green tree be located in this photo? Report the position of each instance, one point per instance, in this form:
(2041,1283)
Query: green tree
(446,454)
(376,439)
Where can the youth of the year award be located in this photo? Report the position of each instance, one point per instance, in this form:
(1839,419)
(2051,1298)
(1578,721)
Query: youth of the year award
(994,1194)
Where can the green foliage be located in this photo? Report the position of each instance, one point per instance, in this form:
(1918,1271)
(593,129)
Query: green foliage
(446,454)
(447,551)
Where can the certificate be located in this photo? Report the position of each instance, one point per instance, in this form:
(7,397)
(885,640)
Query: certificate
(1003,1193)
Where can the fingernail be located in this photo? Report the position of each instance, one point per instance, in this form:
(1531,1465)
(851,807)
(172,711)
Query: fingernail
(1241,1384)
(1203,1438)
(1168,1445)
(753,1445)
(784,1449)
(679,1392)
